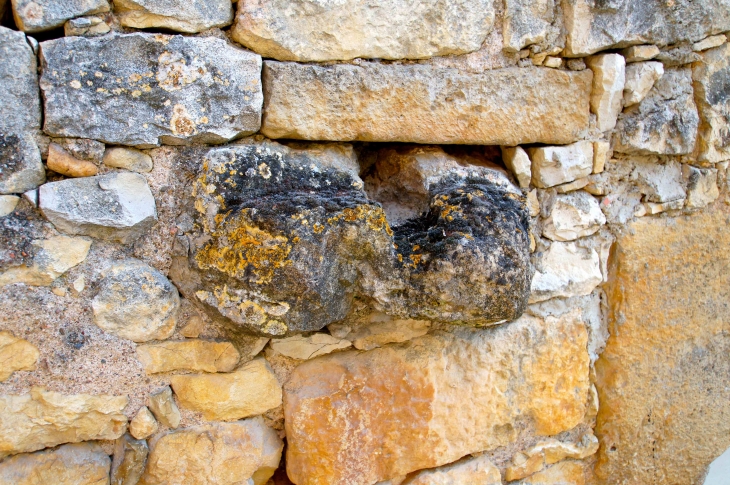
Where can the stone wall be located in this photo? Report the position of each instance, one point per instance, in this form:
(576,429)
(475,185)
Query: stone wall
(360,242)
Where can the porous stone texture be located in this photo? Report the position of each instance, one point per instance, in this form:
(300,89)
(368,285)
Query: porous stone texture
(143,425)
(164,408)
(146,89)
(640,78)
(658,335)
(594,26)
(16,354)
(566,270)
(39,15)
(547,452)
(128,158)
(415,103)
(711,77)
(609,77)
(303,348)
(182,16)
(217,453)
(555,165)
(567,472)
(42,419)
(392,402)
(573,216)
(192,355)
(251,390)
(20,115)
(477,470)
(60,161)
(129,459)
(527,22)
(701,186)
(52,257)
(299,30)
(665,122)
(74,464)
(136,302)
(116,206)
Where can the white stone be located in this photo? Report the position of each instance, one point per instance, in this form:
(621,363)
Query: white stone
(601,155)
(609,76)
(469,471)
(526,22)
(566,270)
(653,208)
(303,348)
(516,159)
(709,43)
(533,205)
(555,165)
(8,204)
(638,53)
(701,186)
(640,78)
(573,215)
(553,62)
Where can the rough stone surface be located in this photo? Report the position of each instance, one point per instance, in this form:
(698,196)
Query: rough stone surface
(566,270)
(82,148)
(403,406)
(702,187)
(299,30)
(516,159)
(379,329)
(567,472)
(42,419)
(303,348)
(609,76)
(60,161)
(709,42)
(217,454)
(130,457)
(136,302)
(51,258)
(640,78)
(164,408)
(661,379)
(192,355)
(252,389)
(594,26)
(20,115)
(711,78)
(91,26)
(8,203)
(16,354)
(573,216)
(143,425)
(548,452)
(665,122)
(182,16)
(476,471)
(74,464)
(527,22)
(555,165)
(638,53)
(40,15)
(128,158)
(117,206)
(146,89)
(415,103)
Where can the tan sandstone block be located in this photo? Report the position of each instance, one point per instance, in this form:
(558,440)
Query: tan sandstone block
(41,419)
(143,425)
(74,464)
(564,473)
(54,256)
(16,354)
(393,410)
(252,389)
(663,405)
(193,355)
(421,104)
(476,471)
(60,161)
(164,408)
(128,158)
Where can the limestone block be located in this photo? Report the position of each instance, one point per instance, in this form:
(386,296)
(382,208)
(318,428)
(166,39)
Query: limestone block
(567,472)
(52,257)
(609,76)
(601,155)
(516,159)
(74,464)
(128,158)
(164,408)
(82,148)
(387,412)
(217,453)
(145,89)
(594,26)
(710,74)
(659,182)
(41,419)
(566,270)
(298,30)
(421,104)
(475,471)
(573,216)
(709,42)
(136,302)
(192,355)
(143,425)
(20,115)
(91,26)
(15,354)
(303,348)
(638,53)
(252,389)
(60,161)
(665,122)
(379,329)
(668,322)
(702,187)
(526,22)
(555,165)
(182,16)
(547,452)
(39,15)
(130,457)
(117,206)
(8,204)
(640,78)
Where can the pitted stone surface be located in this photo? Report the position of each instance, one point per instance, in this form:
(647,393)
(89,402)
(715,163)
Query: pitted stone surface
(74,464)
(301,30)
(527,22)
(146,89)
(712,92)
(183,16)
(422,104)
(40,15)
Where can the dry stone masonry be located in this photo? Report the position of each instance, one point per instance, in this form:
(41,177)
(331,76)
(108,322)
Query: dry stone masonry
(358,242)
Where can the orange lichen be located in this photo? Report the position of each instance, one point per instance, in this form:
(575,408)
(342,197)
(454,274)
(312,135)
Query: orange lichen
(373,216)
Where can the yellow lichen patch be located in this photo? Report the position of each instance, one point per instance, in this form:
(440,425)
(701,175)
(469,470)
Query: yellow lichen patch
(181,123)
(373,216)
(448,211)
(238,247)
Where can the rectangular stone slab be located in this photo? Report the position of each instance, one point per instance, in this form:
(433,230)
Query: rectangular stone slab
(146,89)
(422,104)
